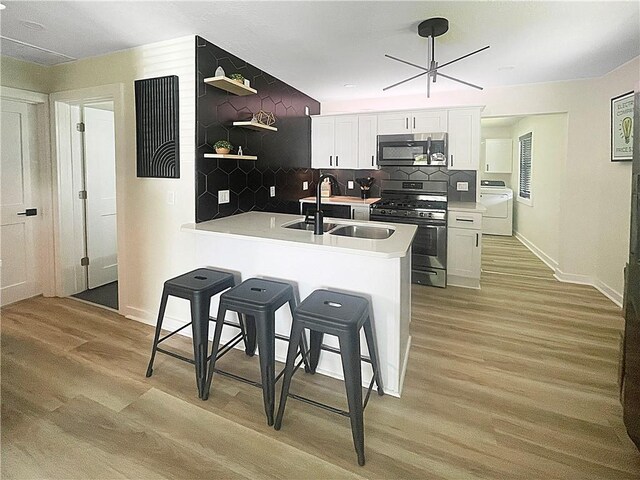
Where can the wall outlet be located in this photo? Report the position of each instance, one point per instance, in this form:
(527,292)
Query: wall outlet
(305,185)
(223,196)
(272,191)
(350,185)
(462,186)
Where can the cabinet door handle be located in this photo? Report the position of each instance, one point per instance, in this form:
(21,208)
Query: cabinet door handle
(487,167)
(452,160)
(372,160)
(477,238)
(470,220)
(331,160)
(414,123)
(406,123)
(336,160)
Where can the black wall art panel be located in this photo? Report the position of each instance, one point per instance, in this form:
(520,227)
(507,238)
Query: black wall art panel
(157,127)
(284,157)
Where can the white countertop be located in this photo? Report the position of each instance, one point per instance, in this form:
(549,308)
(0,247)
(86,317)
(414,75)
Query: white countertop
(466,207)
(269,227)
(341,200)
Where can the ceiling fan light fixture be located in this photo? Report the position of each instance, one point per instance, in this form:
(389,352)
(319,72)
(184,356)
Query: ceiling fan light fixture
(432,28)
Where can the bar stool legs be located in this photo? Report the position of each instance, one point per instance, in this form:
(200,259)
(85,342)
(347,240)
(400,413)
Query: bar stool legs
(163,306)
(340,315)
(257,300)
(197,286)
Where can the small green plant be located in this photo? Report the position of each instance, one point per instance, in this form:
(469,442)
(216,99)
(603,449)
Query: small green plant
(237,77)
(223,144)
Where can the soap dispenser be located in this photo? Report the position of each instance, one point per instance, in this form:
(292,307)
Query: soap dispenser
(325,188)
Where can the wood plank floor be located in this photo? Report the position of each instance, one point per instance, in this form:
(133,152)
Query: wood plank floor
(515,381)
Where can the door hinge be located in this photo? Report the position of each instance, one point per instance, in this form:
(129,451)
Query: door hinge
(82,194)
(84,261)
(80,127)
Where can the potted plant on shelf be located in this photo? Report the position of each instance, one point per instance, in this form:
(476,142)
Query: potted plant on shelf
(222,147)
(236,77)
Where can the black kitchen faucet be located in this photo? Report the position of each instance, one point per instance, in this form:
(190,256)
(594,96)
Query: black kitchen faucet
(318,220)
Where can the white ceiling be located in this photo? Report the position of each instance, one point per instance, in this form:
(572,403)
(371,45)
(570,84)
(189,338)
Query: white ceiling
(319,46)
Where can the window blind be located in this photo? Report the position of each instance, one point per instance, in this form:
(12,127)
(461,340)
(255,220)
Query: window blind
(525,166)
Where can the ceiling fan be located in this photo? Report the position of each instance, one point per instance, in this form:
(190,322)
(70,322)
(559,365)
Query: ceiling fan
(432,28)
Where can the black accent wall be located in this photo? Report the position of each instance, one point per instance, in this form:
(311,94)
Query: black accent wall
(284,157)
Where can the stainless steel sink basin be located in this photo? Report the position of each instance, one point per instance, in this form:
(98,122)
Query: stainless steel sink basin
(309,226)
(361,231)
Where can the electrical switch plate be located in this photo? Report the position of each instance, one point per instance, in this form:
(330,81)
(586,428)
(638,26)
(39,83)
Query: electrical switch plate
(350,185)
(171,198)
(462,186)
(272,191)
(223,196)
(305,185)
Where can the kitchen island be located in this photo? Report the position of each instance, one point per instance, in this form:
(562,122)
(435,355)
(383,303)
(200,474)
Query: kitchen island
(258,244)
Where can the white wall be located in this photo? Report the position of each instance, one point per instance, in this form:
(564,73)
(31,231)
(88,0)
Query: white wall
(154,248)
(539,221)
(588,173)
(613,185)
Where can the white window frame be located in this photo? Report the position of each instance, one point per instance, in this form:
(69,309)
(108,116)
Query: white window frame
(524,200)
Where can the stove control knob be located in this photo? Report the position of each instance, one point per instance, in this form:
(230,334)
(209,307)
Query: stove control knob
(422,214)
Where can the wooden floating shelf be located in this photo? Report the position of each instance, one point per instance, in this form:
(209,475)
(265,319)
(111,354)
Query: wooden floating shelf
(255,126)
(230,157)
(231,86)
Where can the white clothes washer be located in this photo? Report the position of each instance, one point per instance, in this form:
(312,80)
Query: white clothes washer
(498,200)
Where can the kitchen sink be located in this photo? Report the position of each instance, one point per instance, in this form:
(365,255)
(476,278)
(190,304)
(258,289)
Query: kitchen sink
(309,226)
(361,231)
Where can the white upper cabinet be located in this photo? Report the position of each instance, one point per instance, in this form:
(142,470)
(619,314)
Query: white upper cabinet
(464,139)
(334,141)
(498,155)
(367,141)
(350,141)
(421,121)
(429,121)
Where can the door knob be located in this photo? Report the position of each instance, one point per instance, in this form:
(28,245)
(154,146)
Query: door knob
(29,212)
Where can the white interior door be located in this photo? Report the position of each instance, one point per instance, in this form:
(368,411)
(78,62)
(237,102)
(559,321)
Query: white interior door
(18,197)
(100,172)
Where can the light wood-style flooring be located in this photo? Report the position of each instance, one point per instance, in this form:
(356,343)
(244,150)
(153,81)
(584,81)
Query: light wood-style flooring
(515,381)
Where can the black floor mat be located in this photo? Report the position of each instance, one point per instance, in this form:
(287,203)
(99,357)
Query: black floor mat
(106,295)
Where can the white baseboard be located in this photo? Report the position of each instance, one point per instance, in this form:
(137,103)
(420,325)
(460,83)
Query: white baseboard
(609,292)
(548,261)
(606,290)
(573,278)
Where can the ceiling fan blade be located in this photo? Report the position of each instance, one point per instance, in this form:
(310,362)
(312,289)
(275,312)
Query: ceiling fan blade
(460,81)
(464,56)
(408,63)
(404,81)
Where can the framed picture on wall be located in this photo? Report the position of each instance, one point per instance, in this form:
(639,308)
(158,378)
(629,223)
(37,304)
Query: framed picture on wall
(622,127)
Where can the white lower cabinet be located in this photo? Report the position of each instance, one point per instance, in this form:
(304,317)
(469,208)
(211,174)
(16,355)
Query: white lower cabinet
(464,247)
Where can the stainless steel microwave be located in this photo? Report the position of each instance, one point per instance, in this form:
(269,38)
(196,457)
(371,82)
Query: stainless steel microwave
(414,149)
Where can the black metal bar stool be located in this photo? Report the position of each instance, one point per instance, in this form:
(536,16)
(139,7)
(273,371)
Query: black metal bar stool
(342,315)
(258,300)
(197,286)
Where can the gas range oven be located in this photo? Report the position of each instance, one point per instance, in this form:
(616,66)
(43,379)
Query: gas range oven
(423,204)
